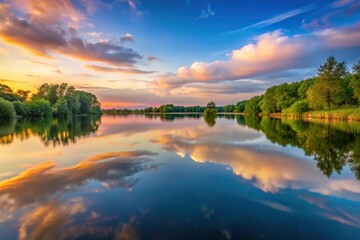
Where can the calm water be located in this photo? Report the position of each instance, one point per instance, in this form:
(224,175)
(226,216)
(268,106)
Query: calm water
(179,177)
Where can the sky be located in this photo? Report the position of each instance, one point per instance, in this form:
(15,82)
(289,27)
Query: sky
(141,53)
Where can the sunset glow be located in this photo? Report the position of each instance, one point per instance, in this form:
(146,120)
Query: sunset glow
(139,53)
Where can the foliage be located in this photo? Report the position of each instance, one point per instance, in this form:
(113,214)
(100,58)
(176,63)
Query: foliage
(7,110)
(8,94)
(355,81)
(228,108)
(328,89)
(211,105)
(19,108)
(333,88)
(38,108)
(298,107)
(211,109)
(61,107)
(252,106)
(210,112)
(59,99)
(167,108)
(240,107)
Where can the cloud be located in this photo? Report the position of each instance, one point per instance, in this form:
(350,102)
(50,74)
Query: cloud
(272,170)
(341,3)
(151,58)
(279,18)
(40,182)
(93,5)
(51,12)
(127,38)
(117,70)
(85,75)
(58,71)
(47,221)
(45,37)
(133,5)
(207,13)
(270,53)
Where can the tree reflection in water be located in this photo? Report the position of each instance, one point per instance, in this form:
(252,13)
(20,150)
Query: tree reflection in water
(52,131)
(332,144)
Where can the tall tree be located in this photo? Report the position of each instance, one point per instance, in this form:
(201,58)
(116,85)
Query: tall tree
(327,90)
(211,104)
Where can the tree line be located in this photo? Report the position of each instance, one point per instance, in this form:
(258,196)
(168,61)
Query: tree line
(334,87)
(50,99)
(171,108)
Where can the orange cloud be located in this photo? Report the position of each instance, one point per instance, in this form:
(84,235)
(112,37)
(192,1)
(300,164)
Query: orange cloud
(39,182)
(117,70)
(49,28)
(49,11)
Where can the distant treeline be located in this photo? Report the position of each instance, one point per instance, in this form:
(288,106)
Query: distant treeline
(50,99)
(333,88)
(170,108)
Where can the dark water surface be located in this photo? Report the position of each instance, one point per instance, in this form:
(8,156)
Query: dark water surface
(179,177)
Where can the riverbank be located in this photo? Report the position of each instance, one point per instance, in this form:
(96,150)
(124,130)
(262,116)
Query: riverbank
(350,114)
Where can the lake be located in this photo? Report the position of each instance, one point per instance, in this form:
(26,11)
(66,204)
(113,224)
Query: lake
(179,177)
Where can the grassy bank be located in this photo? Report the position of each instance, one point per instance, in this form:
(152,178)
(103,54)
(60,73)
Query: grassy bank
(350,114)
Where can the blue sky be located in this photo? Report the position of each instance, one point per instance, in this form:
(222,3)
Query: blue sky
(136,53)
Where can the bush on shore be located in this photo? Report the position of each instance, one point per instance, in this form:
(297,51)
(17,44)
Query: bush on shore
(7,110)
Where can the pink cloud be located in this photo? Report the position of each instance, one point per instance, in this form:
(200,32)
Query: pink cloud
(49,11)
(270,53)
(45,36)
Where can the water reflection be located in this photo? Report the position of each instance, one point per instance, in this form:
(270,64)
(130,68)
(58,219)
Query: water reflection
(332,144)
(51,131)
(38,191)
(179,177)
(250,157)
(173,117)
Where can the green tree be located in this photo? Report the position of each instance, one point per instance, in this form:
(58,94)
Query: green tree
(240,107)
(229,108)
(268,103)
(38,108)
(305,85)
(61,107)
(252,106)
(7,93)
(355,81)
(23,95)
(211,109)
(328,90)
(298,107)
(19,108)
(211,104)
(7,110)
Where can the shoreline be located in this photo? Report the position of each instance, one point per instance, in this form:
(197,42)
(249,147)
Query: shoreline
(339,115)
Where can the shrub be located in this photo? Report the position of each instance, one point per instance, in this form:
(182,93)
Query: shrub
(7,110)
(38,108)
(298,107)
(210,112)
(19,108)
